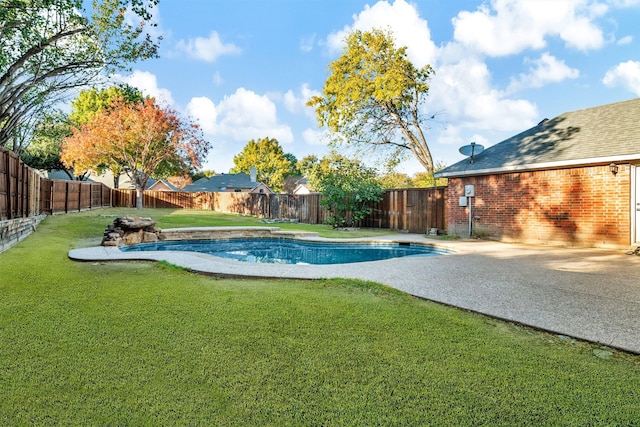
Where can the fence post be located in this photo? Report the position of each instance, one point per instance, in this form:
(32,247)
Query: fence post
(405,225)
(66,197)
(25,183)
(8,169)
(393,224)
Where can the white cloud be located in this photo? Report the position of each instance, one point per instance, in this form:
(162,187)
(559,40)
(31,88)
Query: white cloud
(403,20)
(507,27)
(467,106)
(306,43)
(205,112)
(546,69)
(315,137)
(217,79)
(464,93)
(147,83)
(207,49)
(625,40)
(480,139)
(297,103)
(625,75)
(242,116)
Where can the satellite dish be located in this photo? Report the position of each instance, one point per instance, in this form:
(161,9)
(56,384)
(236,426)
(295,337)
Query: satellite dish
(471,150)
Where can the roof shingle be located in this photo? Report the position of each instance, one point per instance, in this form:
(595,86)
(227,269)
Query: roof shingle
(222,182)
(594,135)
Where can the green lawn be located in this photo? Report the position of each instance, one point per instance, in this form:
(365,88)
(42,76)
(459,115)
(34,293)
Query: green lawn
(148,344)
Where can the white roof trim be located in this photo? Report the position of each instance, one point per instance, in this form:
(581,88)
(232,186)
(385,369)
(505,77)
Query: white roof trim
(538,166)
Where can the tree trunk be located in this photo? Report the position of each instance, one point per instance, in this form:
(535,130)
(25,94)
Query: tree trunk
(139,193)
(140,181)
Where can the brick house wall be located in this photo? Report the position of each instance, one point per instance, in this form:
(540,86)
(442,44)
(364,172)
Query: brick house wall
(581,206)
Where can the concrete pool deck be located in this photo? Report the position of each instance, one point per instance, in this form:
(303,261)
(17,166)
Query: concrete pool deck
(590,294)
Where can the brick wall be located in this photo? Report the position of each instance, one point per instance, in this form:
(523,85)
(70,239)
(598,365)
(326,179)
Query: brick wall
(586,206)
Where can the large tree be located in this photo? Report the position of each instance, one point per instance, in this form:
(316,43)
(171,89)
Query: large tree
(48,48)
(271,163)
(90,102)
(43,151)
(373,98)
(143,139)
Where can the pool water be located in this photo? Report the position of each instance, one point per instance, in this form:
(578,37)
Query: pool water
(289,251)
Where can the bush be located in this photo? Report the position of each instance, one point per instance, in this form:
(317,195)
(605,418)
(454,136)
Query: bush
(349,189)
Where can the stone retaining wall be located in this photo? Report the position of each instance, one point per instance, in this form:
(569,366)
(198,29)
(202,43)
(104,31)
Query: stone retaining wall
(211,233)
(13,231)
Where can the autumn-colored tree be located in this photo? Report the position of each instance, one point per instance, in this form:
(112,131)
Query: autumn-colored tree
(49,49)
(143,138)
(372,99)
(271,164)
(92,101)
(180,181)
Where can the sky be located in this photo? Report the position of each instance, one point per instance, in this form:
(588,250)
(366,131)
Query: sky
(244,69)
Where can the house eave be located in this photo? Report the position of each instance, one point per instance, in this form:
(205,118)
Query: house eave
(540,166)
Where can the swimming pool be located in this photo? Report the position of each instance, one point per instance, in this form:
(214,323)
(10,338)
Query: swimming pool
(292,251)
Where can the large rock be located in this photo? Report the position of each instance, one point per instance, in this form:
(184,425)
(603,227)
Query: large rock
(130,231)
(148,237)
(132,237)
(134,223)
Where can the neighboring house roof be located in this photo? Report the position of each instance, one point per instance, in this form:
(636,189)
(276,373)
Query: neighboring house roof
(162,185)
(197,184)
(224,182)
(106,178)
(262,189)
(302,186)
(58,174)
(607,133)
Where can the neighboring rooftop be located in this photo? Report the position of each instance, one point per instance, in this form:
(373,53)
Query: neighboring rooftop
(161,185)
(607,133)
(223,182)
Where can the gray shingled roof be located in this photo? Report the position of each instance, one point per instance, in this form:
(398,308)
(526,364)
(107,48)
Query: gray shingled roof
(608,133)
(222,182)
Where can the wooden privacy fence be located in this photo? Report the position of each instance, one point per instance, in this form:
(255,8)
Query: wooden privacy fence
(416,210)
(59,196)
(19,188)
(23,193)
(304,208)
